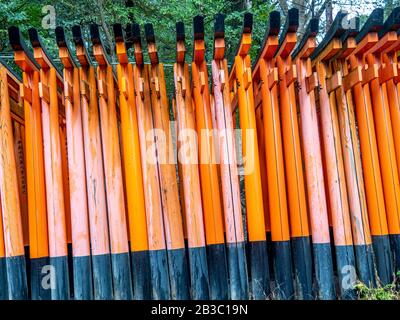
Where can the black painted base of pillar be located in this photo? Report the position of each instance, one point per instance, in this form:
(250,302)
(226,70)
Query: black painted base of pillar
(218,272)
(395,246)
(60,291)
(324,271)
(83,286)
(365,264)
(3,279)
(122,279)
(198,273)
(141,275)
(159,275)
(102,278)
(39,290)
(259,270)
(302,262)
(282,254)
(178,274)
(237,266)
(383,259)
(346,267)
(16,278)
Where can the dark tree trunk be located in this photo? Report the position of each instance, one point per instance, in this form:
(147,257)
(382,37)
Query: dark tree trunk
(329,14)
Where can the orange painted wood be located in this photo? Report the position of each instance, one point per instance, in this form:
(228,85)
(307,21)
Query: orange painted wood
(181,193)
(352,164)
(53,166)
(151,181)
(38,234)
(293,167)
(97,205)
(274,156)
(80,234)
(65,174)
(337,190)
(263,166)
(19,150)
(250,153)
(385,144)
(311,142)
(393,90)
(132,161)
(227,151)
(117,224)
(369,152)
(13,240)
(187,156)
(212,210)
(166,160)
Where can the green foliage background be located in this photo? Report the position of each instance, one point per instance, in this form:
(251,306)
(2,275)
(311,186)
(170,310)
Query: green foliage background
(163,14)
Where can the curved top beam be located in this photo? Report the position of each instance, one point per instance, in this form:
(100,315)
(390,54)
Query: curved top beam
(291,24)
(17,43)
(62,42)
(81,50)
(151,43)
(99,51)
(373,24)
(311,32)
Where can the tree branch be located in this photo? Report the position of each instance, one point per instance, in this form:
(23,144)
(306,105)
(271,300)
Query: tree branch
(17,9)
(100,4)
(284,6)
(322,9)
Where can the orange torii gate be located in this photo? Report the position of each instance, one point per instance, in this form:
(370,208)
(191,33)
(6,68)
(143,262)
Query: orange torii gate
(133,169)
(268,96)
(189,175)
(101,172)
(117,224)
(379,75)
(12,255)
(7,78)
(151,181)
(97,207)
(287,76)
(50,82)
(334,168)
(389,59)
(82,268)
(311,146)
(212,210)
(265,80)
(240,82)
(317,215)
(355,83)
(234,232)
(17,120)
(376,75)
(340,39)
(38,236)
(175,243)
